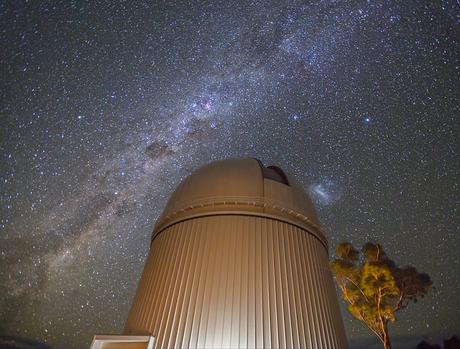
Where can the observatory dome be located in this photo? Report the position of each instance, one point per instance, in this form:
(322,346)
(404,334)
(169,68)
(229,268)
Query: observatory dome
(238,260)
(241,186)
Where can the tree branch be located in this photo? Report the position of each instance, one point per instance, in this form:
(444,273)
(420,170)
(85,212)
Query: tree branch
(379,335)
(359,288)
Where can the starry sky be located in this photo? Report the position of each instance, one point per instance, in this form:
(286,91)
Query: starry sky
(107,106)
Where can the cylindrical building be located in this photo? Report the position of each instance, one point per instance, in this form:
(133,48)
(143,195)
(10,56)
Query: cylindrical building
(238,260)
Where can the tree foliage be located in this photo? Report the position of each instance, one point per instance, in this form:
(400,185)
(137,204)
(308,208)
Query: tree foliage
(374,287)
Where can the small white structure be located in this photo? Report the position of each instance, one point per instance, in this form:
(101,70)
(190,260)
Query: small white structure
(122,342)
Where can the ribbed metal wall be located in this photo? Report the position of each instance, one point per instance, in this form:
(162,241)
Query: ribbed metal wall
(235,281)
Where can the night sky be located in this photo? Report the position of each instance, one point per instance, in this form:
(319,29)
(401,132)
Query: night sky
(107,106)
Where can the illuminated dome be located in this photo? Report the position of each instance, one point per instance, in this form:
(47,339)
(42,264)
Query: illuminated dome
(237,260)
(240,186)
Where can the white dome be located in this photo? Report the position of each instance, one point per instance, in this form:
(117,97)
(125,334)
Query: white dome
(240,186)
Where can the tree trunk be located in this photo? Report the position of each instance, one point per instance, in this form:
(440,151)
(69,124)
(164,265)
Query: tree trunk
(386,338)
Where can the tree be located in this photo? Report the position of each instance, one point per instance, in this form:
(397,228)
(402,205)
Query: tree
(374,287)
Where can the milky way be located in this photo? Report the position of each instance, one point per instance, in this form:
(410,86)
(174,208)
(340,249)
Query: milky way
(106,107)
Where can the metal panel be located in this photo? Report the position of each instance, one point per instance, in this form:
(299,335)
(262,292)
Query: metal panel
(236,281)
